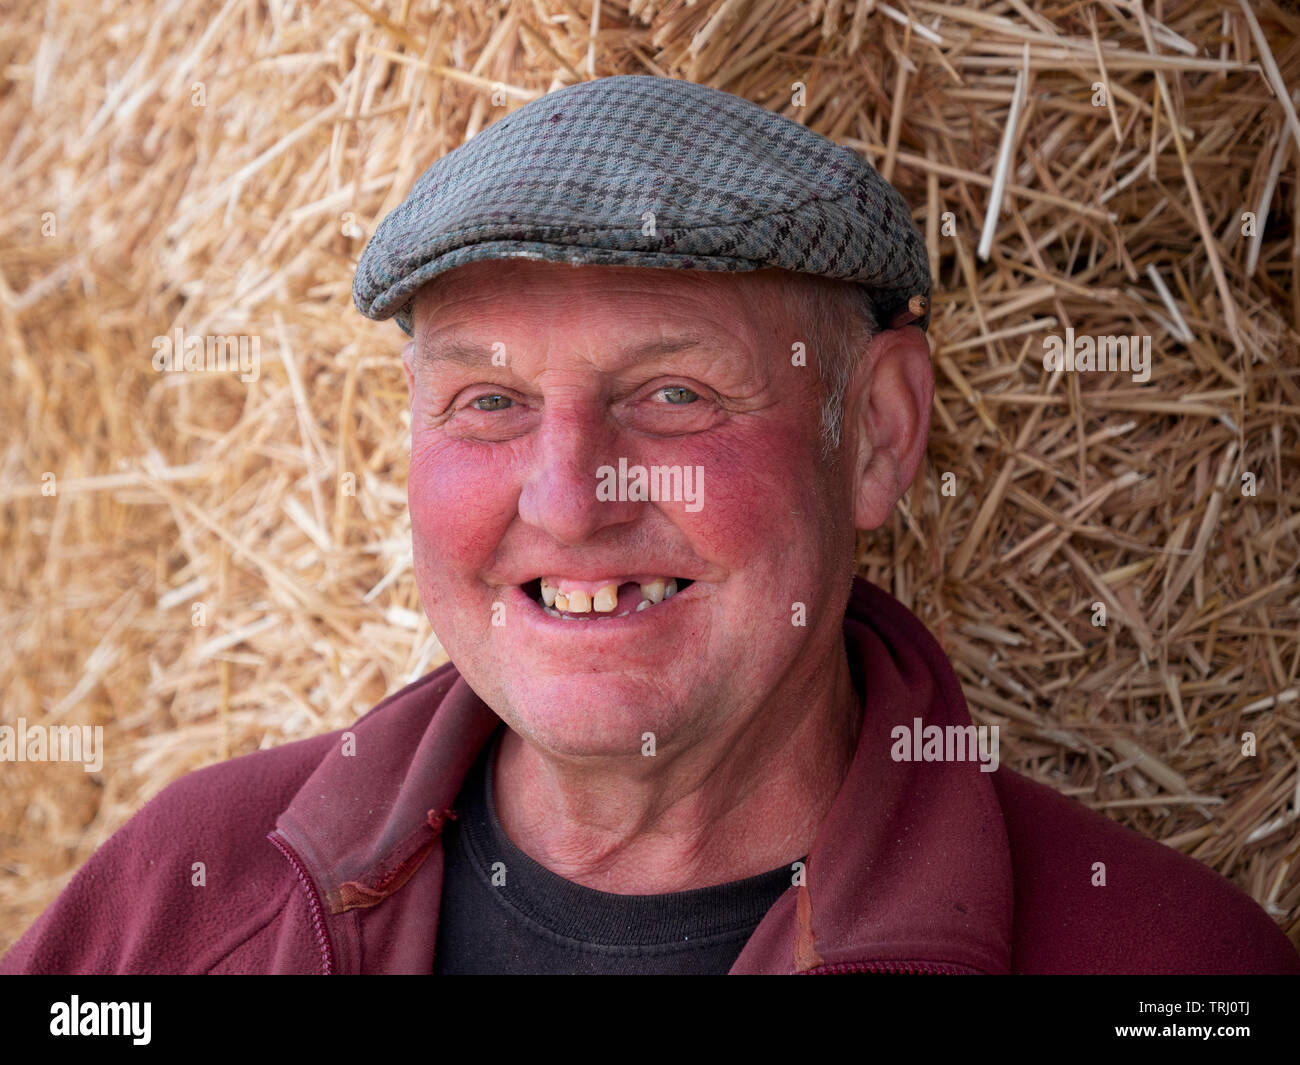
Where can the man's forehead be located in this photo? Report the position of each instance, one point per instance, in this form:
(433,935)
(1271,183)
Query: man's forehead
(487,283)
(642,314)
(453,347)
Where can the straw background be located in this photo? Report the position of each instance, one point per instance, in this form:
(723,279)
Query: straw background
(219,167)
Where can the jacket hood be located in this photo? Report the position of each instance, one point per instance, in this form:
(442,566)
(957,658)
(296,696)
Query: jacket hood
(911,866)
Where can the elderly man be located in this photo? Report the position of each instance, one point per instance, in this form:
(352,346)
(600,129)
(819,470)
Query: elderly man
(669,353)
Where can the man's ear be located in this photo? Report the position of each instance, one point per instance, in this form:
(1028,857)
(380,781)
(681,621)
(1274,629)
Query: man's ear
(890,395)
(408,356)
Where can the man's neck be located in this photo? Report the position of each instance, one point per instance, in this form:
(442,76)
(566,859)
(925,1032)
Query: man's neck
(748,799)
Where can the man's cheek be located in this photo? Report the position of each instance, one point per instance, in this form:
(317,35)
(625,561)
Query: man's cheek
(430,499)
(459,508)
(751,507)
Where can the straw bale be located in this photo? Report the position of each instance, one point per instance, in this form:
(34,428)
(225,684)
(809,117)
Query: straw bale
(218,169)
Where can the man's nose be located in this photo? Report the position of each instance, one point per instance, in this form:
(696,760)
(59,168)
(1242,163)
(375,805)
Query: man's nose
(559,493)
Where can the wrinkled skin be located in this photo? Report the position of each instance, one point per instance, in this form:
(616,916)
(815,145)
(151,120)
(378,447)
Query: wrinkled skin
(754,717)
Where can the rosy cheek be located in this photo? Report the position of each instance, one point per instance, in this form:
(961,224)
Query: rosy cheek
(758,502)
(461,502)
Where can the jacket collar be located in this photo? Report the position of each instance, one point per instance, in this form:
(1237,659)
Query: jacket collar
(911,867)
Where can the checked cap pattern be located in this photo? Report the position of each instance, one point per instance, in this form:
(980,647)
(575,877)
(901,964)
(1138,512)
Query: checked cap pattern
(569,177)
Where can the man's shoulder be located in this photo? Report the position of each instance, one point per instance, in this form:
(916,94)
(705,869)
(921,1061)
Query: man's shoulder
(261,784)
(1093,896)
(224,806)
(184,883)
(257,785)
(191,878)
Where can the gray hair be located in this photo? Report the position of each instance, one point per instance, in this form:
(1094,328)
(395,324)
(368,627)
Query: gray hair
(841,324)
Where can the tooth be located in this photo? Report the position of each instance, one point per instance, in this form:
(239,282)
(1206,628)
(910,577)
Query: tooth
(561,601)
(642,605)
(578,603)
(552,611)
(671,590)
(653,591)
(548,593)
(606,599)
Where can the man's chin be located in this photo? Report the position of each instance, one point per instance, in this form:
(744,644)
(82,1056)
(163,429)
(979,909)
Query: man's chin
(594,715)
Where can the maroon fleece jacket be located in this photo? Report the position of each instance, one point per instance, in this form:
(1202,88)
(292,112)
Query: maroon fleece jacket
(324,856)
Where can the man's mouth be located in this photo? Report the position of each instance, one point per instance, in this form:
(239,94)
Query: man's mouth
(602,600)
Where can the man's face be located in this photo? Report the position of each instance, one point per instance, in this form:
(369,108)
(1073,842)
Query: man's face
(527,378)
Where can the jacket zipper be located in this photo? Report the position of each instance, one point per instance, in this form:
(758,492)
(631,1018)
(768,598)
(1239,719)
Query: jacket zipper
(910,968)
(836,968)
(313,904)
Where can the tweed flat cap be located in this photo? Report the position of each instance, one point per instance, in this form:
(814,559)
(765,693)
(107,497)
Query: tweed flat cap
(646,171)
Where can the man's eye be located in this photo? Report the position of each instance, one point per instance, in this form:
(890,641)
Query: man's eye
(492,402)
(678,395)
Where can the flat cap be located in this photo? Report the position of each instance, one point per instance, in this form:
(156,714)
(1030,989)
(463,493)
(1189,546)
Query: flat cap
(635,170)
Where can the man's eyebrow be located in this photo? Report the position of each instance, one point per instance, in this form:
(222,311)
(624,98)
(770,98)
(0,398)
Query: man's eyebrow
(463,352)
(453,350)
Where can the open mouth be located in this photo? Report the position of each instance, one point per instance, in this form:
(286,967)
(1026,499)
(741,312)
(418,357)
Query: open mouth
(601,601)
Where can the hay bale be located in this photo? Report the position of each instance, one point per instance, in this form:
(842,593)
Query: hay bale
(163,170)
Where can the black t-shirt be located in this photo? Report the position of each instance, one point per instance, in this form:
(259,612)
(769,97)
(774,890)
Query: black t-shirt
(502,912)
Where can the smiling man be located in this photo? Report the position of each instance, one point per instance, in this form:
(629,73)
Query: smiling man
(666,630)
(676,734)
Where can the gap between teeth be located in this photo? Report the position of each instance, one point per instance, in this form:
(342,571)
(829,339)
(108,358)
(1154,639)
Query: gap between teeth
(558,603)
